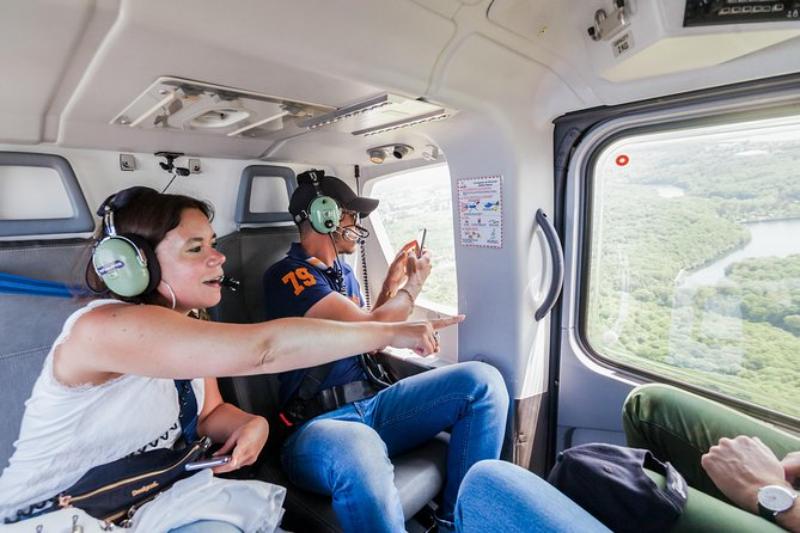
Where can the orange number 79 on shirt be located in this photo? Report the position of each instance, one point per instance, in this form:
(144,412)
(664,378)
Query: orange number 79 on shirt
(300,278)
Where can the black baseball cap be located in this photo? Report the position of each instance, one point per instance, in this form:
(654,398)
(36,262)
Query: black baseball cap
(328,186)
(611,484)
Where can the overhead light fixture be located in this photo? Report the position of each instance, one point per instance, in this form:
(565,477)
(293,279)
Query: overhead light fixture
(399,151)
(348,111)
(430,117)
(377,114)
(378,154)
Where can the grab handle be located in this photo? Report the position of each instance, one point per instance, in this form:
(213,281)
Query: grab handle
(557,258)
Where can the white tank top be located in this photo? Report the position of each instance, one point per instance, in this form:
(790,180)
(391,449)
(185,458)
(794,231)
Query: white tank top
(66,431)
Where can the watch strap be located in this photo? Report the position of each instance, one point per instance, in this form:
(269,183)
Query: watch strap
(767,514)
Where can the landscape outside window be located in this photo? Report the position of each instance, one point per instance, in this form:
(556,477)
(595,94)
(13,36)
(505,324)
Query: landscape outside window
(417,199)
(694,263)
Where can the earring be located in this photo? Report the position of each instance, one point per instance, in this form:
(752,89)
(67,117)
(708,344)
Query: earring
(171,294)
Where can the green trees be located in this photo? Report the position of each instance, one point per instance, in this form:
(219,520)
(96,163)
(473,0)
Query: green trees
(678,206)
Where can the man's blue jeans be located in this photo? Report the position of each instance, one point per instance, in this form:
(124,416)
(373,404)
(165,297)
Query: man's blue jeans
(345,453)
(500,496)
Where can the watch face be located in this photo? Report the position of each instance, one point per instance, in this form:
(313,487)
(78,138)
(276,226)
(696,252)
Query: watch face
(775,498)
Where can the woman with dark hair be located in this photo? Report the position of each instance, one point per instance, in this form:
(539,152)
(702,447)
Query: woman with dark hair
(106,390)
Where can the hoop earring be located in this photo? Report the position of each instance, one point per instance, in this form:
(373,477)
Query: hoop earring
(171,294)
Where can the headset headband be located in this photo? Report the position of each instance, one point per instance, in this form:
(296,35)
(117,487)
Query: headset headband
(120,199)
(117,201)
(315,176)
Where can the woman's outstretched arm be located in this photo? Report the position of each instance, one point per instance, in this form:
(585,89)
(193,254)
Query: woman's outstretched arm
(154,341)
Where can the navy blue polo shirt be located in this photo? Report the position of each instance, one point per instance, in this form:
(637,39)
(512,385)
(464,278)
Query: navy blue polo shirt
(291,287)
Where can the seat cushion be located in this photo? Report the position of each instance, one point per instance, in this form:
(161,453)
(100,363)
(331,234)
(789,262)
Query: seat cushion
(418,475)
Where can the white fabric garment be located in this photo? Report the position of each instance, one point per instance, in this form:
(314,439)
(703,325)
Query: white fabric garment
(63,520)
(66,431)
(252,506)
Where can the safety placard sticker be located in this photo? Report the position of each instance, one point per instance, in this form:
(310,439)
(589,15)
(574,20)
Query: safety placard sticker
(480,211)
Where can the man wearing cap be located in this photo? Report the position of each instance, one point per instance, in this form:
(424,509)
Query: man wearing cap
(346,419)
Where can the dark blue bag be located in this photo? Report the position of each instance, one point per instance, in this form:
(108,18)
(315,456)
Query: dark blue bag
(114,491)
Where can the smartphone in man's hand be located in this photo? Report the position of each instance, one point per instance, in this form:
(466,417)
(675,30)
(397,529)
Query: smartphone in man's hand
(421,241)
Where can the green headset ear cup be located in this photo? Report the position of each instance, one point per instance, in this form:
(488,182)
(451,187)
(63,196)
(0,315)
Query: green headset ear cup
(153,267)
(117,261)
(324,214)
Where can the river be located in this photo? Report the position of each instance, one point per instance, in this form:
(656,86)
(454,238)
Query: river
(778,238)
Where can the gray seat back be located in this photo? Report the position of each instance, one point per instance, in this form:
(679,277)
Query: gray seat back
(30,324)
(249,253)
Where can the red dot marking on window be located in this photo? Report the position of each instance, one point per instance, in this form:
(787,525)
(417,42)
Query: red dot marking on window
(622,160)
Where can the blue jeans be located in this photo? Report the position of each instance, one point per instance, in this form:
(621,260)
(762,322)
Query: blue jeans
(207,526)
(345,453)
(500,496)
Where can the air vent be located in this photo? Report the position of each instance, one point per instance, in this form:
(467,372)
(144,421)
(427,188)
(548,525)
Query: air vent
(186,105)
(219,118)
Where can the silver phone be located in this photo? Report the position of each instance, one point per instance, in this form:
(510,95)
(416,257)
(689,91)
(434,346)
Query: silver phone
(208,463)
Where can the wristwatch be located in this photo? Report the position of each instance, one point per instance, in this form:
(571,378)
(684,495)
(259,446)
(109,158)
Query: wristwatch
(774,500)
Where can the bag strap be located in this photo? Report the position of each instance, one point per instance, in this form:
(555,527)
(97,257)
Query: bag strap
(188,418)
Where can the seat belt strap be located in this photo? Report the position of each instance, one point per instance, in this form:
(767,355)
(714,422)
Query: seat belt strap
(315,376)
(312,380)
(13,284)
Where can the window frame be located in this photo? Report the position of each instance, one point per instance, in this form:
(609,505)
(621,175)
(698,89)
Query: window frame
(382,235)
(670,116)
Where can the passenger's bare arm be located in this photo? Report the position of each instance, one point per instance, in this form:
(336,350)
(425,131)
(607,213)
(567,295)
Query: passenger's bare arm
(242,434)
(392,305)
(219,419)
(153,341)
(790,520)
